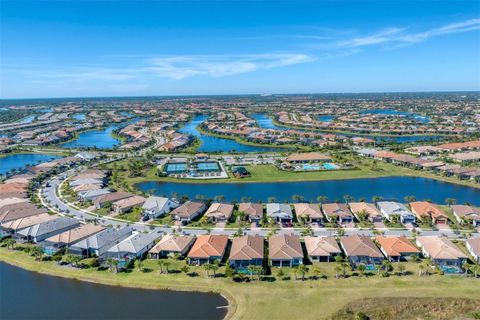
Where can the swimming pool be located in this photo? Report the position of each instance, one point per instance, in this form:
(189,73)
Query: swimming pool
(330,166)
(325,166)
(180,167)
(451,269)
(207,166)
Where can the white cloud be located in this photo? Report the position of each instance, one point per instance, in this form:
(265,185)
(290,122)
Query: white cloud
(399,36)
(179,67)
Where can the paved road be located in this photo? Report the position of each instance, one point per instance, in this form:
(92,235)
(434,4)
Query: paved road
(50,199)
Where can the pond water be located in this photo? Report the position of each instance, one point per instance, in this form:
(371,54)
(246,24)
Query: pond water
(101,139)
(265,122)
(28,119)
(20,161)
(392,188)
(215,144)
(79,116)
(327,118)
(393,112)
(29,295)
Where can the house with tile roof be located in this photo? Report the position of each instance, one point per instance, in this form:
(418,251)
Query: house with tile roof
(441,251)
(171,244)
(373,214)
(322,249)
(69,237)
(473,246)
(466,214)
(337,213)
(39,232)
(247,250)
(361,250)
(219,212)
(308,211)
(425,210)
(133,247)
(207,249)
(99,243)
(397,248)
(285,250)
(253,211)
(188,211)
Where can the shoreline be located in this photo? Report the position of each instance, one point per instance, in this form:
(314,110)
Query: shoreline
(232,304)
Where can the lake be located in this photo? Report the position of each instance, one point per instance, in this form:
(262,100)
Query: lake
(20,161)
(392,112)
(215,144)
(394,188)
(79,116)
(101,139)
(29,295)
(266,122)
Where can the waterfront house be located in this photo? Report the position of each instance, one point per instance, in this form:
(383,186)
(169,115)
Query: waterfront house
(337,212)
(99,243)
(397,248)
(322,249)
(47,229)
(426,210)
(390,209)
(207,249)
(253,211)
(246,250)
(69,237)
(109,198)
(285,250)
(219,212)
(19,210)
(442,252)
(308,211)
(466,214)
(361,250)
(280,212)
(79,182)
(133,247)
(156,207)
(12,226)
(171,244)
(188,211)
(473,246)
(127,204)
(373,214)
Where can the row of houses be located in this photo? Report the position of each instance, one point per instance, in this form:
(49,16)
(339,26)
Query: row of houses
(287,250)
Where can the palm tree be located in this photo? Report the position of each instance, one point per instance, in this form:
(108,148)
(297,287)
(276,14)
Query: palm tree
(302,269)
(466,267)
(322,199)
(361,268)
(10,243)
(316,272)
(215,267)
(207,266)
(410,198)
(401,268)
(450,201)
(251,270)
(421,269)
(387,266)
(338,269)
(36,252)
(112,265)
(345,265)
(475,269)
(185,269)
(166,263)
(161,264)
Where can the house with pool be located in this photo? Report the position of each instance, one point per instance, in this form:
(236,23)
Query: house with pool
(337,213)
(430,211)
(443,252)
(171,244)
(246,250)
(219,212)
(39,232)
(466,214)
(69,237)
(473,246)
(308,211)
(322,249)
(373,214)
(285,250)
(188,211)
(99,243)
(253,211)
(133,247)
(397,248)
(361,250)
(309,161)
(207,249)
(156,207)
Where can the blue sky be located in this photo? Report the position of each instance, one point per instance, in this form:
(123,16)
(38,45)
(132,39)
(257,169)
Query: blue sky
(122,48)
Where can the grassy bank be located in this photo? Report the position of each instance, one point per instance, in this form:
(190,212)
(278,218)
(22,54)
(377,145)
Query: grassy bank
(311,299)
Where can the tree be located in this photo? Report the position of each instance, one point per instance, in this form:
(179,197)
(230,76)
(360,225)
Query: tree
(361,268)
(322,199)
(466,267)
(316,272)
(139,264)
(450,201)
(410,198)
(167,263)
(421,270)
(36,252)
(401,268)
(302,269)
(386,265)
(207,266)
(112,265)
(215,267)
(251,271)
(229,272)
(338,269)
(344,266)
(376,198)
(185,269)
(161,264)
(10,243)
(72,259)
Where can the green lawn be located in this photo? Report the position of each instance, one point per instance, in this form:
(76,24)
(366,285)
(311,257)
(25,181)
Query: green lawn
(311,299)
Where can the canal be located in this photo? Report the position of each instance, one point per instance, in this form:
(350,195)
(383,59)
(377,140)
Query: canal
(29,295)
(392,188)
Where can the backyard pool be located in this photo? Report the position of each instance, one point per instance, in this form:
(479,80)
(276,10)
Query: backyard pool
(324,166)
(451,269)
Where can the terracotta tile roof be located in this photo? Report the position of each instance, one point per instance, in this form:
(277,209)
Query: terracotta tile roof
(321,246)
(247,248)
(77,234)
(396,246)
(208,246)
(369,208)
(173,243)
(188,209)
(308,210)
(284,247)
(427,209)
(336,210)
(360,246)
(440,247)
(251,209)
(219,210)
(466,212)
(26,222)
